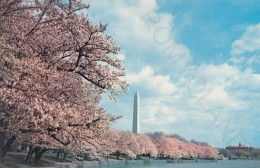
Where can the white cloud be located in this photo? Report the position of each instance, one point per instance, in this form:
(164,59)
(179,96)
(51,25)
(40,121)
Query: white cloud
(124,17)
(249,42)
(227,86)
(255,59)
(247,81)
(236,60)
(154,83)
(157,113)
(138,25)
(217,74)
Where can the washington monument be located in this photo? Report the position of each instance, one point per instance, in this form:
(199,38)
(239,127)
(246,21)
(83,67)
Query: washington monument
(136,124)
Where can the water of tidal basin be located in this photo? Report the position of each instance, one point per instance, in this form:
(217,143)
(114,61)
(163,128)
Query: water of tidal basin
(219,164)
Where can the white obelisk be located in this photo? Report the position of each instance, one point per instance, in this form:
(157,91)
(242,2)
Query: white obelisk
(136,125)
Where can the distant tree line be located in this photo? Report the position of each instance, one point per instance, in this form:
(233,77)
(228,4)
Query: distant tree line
(157,134)
(240,153)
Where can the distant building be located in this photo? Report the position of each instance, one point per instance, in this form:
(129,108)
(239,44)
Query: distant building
(240,146)
(136,124)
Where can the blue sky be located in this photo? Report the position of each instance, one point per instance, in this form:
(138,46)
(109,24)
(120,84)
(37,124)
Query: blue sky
(194,63)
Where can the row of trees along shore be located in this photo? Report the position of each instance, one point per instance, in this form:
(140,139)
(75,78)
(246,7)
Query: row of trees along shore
(240,153)
(126,145)
(135,145)
(54,66)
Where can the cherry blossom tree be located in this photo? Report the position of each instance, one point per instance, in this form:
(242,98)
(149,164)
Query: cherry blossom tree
(209,152)
(67,41)
(54,65)
(47,112)
(109,142)
(192,150)
(146,146)
(164,146)
(127,144)
(173,148)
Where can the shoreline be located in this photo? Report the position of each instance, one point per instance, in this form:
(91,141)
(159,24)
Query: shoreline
(95,164)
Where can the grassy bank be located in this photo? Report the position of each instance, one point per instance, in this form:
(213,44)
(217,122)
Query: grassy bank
(16,160)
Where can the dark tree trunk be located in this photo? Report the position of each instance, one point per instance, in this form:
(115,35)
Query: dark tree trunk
(58,155)
(86,156)
(29,155)
(65,155)
(2,144)
(38,154)
(4,147)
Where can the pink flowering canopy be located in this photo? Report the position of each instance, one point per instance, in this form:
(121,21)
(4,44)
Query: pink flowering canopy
(172,147)
(54,65)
